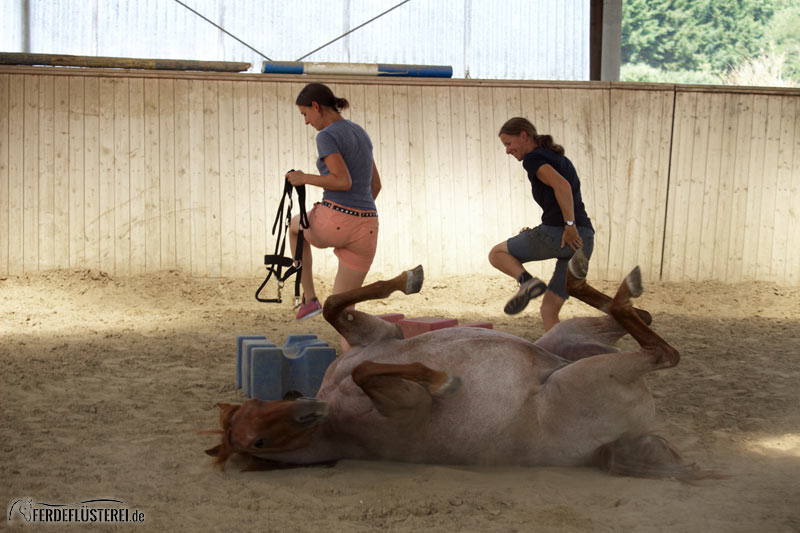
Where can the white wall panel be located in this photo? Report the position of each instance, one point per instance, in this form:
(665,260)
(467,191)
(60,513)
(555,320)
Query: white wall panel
(137,171)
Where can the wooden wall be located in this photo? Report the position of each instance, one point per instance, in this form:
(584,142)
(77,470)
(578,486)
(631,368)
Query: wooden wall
(734,194)
(132,172)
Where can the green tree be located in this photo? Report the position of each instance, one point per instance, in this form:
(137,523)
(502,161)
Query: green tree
(693,34)
(784,33)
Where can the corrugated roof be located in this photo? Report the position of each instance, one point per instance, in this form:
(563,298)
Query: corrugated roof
(515,39)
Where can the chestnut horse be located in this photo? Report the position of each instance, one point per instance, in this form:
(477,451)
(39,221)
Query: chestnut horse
(473,395)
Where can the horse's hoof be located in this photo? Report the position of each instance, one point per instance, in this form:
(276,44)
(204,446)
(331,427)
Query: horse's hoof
(646,317)
(579,264)
(634,282)
(414,278)
(449,387)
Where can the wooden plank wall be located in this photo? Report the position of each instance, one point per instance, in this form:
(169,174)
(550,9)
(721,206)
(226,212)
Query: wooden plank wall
(734,192)
(133,172)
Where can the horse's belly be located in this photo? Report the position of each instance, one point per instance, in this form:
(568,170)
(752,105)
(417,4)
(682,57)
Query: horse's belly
(479,424)
(491,419)
(582,412)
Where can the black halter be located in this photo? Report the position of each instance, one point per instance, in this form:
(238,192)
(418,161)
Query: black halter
(277,262)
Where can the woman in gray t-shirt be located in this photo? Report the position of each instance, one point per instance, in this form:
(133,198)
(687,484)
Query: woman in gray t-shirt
(346,219)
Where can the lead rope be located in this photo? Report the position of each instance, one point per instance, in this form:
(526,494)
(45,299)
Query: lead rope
(276,262)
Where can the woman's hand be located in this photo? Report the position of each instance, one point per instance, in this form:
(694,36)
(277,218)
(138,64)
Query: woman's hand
(296,177)
(563,191)
(337,180)
(571,237)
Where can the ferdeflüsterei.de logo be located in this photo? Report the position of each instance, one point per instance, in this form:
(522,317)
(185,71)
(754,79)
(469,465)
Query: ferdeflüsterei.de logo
(25,510)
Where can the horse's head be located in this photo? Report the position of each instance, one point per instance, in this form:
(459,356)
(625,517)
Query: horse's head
(258,428)
(24,507)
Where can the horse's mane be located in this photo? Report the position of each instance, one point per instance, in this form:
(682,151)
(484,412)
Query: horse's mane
(224,449)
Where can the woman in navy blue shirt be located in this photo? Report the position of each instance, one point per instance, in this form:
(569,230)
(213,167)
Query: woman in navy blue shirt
(565,225)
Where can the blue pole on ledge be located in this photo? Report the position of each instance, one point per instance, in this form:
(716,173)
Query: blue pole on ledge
(357,69)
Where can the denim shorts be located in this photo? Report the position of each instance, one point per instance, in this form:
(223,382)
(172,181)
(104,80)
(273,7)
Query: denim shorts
(544,242)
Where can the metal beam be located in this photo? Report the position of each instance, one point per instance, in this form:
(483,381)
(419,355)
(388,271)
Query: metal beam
(605,40)
(612,40)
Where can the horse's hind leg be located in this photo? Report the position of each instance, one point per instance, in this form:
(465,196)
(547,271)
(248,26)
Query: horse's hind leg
(580,289)
(360,328)
(584,336)
(577,338)
(620,307)
(400,387)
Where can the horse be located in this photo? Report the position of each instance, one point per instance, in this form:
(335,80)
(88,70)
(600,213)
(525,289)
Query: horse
(473,396)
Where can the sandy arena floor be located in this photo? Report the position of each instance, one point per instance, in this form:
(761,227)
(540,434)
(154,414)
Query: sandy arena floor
(104,380)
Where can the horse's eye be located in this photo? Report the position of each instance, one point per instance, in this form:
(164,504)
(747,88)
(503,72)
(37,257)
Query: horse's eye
(259,443)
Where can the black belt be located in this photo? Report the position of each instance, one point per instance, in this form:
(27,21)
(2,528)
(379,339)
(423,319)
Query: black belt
(349,211)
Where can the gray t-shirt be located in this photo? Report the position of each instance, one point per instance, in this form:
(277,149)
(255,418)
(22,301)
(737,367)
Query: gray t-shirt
(350,141)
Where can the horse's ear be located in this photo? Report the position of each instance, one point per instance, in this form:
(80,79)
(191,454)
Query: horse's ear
(214,452)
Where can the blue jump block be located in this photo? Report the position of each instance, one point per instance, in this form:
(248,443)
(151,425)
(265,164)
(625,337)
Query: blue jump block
(269,372)
(241,349)
(244,357)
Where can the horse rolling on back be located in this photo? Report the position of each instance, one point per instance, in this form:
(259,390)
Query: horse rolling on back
(473,395)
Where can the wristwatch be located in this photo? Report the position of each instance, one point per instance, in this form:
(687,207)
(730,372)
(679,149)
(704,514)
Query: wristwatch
(570,222)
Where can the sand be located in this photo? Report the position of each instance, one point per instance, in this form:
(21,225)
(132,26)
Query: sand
(104,381)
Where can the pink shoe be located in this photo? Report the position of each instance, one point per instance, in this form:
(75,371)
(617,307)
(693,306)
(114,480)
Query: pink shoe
(309,309)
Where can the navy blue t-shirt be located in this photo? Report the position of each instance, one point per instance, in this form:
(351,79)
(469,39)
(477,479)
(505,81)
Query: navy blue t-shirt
(545,196)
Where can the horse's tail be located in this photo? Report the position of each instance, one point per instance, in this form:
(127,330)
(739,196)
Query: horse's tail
(649,456)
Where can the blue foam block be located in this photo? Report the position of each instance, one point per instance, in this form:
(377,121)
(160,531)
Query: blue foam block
(240,350)
(266,374)
(269,372)
(247,354)
(305,372)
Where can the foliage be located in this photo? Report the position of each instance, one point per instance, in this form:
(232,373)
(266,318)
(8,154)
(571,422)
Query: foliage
(693,34)
(646,73)
(709,42)
(765,69)
(784,32)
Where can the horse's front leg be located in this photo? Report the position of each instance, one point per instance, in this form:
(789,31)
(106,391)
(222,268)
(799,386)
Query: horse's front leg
(359,328)
(395,388)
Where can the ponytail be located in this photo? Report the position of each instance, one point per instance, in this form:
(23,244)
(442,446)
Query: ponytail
(546,141)
(340,104)
(322,95)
